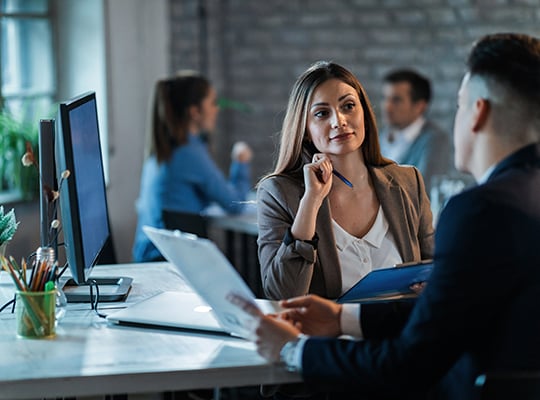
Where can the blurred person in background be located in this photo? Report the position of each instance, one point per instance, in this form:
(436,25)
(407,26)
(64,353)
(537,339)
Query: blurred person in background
(409,137)
(179,174)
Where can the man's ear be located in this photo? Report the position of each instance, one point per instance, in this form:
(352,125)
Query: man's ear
(420,107)
(482,110)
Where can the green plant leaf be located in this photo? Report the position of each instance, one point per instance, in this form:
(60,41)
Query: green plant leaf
(8,225)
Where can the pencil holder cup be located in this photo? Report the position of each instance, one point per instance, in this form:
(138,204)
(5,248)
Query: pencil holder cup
(61,304)
(35,314)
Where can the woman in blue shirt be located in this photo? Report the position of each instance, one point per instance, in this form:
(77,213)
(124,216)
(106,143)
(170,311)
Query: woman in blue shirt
(179,173)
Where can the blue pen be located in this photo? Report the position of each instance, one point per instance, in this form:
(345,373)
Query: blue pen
(343,179)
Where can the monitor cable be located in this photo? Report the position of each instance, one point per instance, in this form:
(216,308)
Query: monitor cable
(94,301)
(9,303)
(59,274)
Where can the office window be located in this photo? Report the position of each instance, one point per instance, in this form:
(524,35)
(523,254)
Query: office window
(27,78)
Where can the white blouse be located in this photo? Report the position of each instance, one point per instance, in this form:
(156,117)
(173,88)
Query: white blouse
(359,256)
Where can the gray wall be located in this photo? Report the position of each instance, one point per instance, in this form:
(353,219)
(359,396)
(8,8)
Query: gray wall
(256,49)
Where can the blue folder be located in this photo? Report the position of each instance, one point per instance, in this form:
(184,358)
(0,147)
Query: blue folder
(388,284)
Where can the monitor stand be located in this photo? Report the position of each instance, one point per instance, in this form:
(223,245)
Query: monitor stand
(110,289)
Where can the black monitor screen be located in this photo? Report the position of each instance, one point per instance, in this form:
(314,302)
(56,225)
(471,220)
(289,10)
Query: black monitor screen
(83,200)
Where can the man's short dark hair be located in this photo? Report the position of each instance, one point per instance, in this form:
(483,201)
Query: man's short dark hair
(510,59)
(420,86)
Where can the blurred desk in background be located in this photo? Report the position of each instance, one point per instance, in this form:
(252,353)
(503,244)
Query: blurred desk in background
(241,233)
(242,223)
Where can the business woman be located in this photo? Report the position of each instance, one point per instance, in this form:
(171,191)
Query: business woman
(333,209)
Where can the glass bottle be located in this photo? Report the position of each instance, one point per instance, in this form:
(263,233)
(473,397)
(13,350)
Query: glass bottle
(47,254)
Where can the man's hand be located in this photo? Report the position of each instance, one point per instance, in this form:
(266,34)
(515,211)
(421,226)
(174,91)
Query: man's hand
(270,333)
(418,287)
(313,315)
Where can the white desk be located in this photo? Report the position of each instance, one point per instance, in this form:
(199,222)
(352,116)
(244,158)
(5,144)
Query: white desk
(90,357)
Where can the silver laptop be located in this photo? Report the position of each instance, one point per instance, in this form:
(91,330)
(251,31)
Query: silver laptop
(177,310)
(169,309)
(206,269)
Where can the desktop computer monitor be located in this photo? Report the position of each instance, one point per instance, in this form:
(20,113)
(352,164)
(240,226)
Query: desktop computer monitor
(47,184)
(83,197)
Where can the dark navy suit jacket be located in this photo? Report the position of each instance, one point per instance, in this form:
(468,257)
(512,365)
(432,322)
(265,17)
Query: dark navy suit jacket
(480,311)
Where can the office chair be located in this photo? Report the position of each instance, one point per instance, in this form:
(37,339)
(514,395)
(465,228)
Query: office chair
(517,385)
(186,222)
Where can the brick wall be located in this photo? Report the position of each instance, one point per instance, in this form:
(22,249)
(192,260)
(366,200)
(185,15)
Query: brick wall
(253,50)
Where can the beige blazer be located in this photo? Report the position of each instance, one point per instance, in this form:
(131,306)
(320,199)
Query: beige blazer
(298,269)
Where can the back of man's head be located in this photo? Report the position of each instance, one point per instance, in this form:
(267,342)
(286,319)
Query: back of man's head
(420,86)
(508,64)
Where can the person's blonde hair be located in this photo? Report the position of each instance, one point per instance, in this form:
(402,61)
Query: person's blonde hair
(294,149)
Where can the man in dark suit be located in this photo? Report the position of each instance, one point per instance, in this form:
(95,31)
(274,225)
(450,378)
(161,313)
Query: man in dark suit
(409,136)
(479,311)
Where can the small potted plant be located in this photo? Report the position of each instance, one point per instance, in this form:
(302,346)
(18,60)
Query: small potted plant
(8,226)
(14,137)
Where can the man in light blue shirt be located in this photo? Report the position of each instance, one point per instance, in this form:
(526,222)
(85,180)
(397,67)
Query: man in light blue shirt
(409,137)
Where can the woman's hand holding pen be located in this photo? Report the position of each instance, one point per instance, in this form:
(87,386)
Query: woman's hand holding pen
(318,181)
(318,176)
